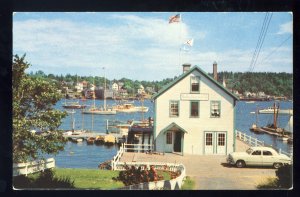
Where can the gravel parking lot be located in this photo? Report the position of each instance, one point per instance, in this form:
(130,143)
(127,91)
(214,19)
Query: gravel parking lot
(210,172)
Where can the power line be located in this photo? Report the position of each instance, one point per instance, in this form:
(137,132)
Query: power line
(262,41)
(275,49)
(258,42)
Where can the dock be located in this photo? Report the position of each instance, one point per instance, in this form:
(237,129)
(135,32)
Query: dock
(275,133)
(85,135)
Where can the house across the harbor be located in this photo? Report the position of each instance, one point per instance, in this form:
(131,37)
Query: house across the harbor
(194,114)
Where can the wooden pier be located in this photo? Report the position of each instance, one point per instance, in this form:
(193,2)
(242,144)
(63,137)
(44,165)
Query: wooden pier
(85,135)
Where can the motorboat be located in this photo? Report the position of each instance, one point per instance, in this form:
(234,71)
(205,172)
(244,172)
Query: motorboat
(100,111)
(130,108)
(270,110)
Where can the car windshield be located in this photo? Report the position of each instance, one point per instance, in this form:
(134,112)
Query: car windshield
(249,151)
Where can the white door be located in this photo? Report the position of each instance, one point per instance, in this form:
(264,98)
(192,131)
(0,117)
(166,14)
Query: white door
(215,143)
(221,143)
(208,143)
(169,142)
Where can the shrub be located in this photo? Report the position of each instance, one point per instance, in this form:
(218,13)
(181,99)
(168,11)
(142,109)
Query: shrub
(284,175)
(270,183)
(283,179)
(45,179)
(133,175)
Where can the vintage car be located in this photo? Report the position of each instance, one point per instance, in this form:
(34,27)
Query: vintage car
(258,156)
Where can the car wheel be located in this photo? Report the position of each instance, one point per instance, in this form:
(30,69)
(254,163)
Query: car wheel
(240,164)
(277,165)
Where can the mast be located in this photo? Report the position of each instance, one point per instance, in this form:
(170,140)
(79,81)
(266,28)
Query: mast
(94,108)
(94,92)
(82,120)
(274,116)
(256,116)
(104,99)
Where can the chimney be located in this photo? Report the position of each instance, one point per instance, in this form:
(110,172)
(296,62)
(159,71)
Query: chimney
(186,67)
(215,72)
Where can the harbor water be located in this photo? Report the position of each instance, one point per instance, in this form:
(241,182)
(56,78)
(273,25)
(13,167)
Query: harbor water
(81,155)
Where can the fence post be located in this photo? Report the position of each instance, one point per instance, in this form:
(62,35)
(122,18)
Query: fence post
(255,141)
(26,169)
(250,140)
(279,151)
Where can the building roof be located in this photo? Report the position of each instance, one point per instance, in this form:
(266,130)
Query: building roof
(171,84)
(173,125)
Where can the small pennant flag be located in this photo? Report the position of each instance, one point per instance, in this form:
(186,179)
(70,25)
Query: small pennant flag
(190,42)
(175,18)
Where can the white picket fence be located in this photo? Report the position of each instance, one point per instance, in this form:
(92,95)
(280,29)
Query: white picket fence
(164,184)
(31,167)
(252,141)
(173,184)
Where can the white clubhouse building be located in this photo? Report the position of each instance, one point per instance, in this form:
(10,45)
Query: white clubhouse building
(194,114)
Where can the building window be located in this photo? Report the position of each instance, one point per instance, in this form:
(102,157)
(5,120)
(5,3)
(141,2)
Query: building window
(174,108)
(169,137)
(215,109)
(195,84)
(208,141)
(194,109)
(221,139)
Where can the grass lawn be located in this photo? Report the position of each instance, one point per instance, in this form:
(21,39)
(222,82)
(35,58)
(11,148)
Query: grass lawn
(82,179)
(90,178)
(189,184)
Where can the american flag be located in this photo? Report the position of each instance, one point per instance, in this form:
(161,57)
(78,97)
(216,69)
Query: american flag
(175,18)
(190,42)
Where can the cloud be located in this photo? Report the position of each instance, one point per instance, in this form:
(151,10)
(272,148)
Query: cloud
(143,48)
(286,28)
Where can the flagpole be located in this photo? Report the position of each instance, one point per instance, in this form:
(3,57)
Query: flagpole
(180,32)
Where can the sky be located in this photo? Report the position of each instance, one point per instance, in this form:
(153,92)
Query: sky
(145,46)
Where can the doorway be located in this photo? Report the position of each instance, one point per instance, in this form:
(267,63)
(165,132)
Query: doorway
(177,142)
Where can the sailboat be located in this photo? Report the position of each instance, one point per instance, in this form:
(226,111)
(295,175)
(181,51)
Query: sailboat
(255,128)
(289,127)
(73,105)
(127,107)
(101,110)
(273,129)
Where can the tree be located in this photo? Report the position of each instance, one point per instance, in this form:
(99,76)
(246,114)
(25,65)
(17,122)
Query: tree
(33,101)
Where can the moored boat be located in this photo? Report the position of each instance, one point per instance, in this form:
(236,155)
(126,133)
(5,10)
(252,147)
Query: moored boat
(109,139)
(99,140)
(105,110)
(270,110)
(256,129)
(74,139)
(130,108)
(73,105)
(90,140)
(100,111)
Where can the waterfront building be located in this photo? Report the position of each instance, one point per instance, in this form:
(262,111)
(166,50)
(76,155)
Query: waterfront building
(141,89)
(194,114)
(114,87)
(79,87)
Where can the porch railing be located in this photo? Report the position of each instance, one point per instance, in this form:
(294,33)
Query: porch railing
(252,141)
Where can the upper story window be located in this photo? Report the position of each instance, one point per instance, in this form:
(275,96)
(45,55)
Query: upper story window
(194,113)
(174,108)
(195,84)
(215,109)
